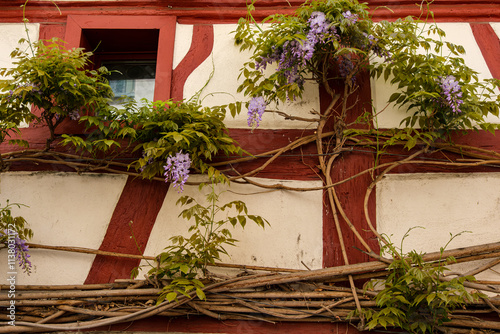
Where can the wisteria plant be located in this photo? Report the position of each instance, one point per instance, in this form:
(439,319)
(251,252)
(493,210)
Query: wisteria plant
(185,261)
(50,85)
(173,137)
(323,41)
(415,296)
(14,233)
(336,40)
(438,90)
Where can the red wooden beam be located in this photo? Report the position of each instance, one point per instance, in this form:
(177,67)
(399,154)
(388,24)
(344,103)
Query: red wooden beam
(129,229)
(202,324)
(220,11)
(489,44)
(201,47)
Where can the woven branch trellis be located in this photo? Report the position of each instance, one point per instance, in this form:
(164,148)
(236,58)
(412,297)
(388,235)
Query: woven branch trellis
(272,295)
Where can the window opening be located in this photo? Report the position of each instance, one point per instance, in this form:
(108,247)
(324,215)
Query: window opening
(131,56)
(131,79)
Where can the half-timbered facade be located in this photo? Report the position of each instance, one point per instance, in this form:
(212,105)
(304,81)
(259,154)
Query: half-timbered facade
(189,48)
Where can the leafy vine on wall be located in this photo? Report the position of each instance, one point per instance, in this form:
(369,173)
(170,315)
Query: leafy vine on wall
(331,43)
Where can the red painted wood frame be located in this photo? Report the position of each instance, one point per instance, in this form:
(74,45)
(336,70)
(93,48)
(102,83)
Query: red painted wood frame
(165,56)
(224,11)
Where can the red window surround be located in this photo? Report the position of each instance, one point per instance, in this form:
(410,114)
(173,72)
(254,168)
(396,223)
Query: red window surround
(165,24)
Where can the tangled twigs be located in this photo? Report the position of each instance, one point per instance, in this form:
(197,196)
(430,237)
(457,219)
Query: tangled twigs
(293,118)
(151,258)
(256,296)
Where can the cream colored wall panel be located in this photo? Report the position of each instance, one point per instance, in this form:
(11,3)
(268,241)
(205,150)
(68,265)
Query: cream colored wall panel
(294,234)
(183,38)
(63,209)
(225,63)
(496,27)
(441,204)
(11,34)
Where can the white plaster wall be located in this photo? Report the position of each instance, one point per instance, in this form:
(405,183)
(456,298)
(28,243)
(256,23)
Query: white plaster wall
(11,34)
(294,234)
(496,27)
(390,116)
(63,209)
(441,204)
(225,63)
(183,39)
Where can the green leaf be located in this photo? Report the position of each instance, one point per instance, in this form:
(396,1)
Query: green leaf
(200,294)
(171,296)
(177,137)
(184,268)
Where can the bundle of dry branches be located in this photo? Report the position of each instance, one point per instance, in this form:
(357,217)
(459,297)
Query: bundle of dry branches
(269,295)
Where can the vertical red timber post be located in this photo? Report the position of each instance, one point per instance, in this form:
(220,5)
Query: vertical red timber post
(350,194)
(489,44)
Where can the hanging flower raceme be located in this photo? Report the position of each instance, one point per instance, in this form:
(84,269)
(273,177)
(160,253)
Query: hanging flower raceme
(177,170)
(294,54)
(291,57)
(351,18)
(256,109)
(451,92)
(20,248)
(346,67)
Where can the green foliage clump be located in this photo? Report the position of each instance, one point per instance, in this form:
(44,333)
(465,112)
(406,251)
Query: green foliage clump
(415,296)
(161,129)
(18,223)
(55,81)
(188,257)
(420,61)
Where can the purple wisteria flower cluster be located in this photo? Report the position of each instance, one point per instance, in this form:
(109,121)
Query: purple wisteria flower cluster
(177,170)
(451,92)
(291,57)
(256,109)
(21,249)
(346,67)
(351,18)
(150,161)
(74,115)
(33,89)
(22,254)
(294,54)
(372,43)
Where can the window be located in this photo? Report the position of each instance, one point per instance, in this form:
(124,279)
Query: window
(132,79)
(131,56)
(140,47)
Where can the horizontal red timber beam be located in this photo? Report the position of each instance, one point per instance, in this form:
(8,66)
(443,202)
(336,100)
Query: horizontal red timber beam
(438,160)
(203,324)
(297,164)
(223,11)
